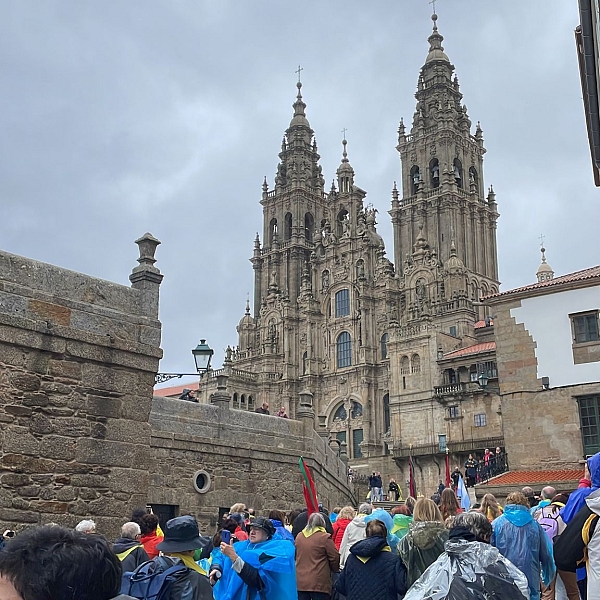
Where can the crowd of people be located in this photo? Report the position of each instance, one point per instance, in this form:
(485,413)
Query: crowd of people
(423,549)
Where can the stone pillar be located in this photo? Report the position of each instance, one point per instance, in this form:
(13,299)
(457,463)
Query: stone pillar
(322,430)
(221,397)
(305,412)
(146,277)
(344,452)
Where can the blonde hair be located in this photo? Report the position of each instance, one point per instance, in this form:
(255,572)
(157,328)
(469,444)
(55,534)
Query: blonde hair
(239,507)
(490,507)
(517,498)
(427,510)
(346,513)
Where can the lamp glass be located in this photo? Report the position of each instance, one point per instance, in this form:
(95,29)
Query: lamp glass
(202,355)
(483,379)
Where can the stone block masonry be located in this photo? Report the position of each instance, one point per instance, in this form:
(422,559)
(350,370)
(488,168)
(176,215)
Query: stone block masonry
(78,357)
(249,458)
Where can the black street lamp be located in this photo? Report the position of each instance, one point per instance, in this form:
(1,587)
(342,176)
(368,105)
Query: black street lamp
(202,354)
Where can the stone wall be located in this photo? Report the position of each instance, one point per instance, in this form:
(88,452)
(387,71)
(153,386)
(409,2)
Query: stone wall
(77,362)
(249,457)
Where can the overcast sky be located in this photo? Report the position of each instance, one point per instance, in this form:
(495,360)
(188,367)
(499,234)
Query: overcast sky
(125,116)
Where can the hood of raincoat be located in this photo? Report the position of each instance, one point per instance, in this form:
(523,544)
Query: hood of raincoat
(359,521)
(369,546)
(425,533)
(593,502)
(594,467)
(517,514)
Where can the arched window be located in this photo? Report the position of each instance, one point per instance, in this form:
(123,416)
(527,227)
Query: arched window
(386,413)
(342,303)
(304,363)
(473,178)
(250,403)
(384,341)
(272,230)
(243,402)
(309,227)
(475,291)
(404,366)
(434,172)
(415,179)
(235,401)
(357,410)
(458,173)
(344,350)
(287,229)
(416,363)
(340,414)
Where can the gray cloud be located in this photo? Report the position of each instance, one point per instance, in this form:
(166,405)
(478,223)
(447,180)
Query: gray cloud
(122,117)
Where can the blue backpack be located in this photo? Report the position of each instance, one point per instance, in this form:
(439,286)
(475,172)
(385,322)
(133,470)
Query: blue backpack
(154,579)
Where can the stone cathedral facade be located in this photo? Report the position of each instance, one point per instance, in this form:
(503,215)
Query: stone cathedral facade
(386,353)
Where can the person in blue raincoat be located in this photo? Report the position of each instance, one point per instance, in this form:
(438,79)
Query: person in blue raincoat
(520,538)
(260,568)
(278,518)
(577,501)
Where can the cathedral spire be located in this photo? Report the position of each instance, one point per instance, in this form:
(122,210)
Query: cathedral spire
(544,272)
(345,172)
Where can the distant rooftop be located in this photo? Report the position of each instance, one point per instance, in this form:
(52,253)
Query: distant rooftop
(475,349)
(585,274)
(175,390)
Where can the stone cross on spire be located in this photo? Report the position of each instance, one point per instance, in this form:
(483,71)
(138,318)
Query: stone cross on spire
(433,2)
(298,71)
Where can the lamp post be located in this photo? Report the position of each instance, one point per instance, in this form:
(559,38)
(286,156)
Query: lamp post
(202,354)
(483,379)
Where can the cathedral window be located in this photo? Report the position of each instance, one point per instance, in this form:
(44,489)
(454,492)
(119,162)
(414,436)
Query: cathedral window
(309,227)
(415,179)
(344,350)
(356,410)
(272,231)
(304,363)
(434,170)
(404,366)
(250,403)
(243,402)
(340,414)
(386,413)
(384,342)
(357,438)
(342,303)
(236,403)
(287,230)
(458,173)
(416,363)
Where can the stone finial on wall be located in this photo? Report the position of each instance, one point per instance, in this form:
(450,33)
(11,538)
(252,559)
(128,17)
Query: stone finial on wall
(146,277)
(221,397)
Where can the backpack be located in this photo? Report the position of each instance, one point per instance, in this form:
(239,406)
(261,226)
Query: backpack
(154,579)
(547,518)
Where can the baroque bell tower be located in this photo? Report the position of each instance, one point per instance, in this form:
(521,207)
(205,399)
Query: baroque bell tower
(443,196)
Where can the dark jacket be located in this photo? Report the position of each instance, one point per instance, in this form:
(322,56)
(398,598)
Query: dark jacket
(381,576)
(421,546)
(195,585)
(377,481)
(135,558)
(302,519)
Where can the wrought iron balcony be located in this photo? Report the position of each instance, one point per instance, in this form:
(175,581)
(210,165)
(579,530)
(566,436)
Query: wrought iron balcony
(475,445)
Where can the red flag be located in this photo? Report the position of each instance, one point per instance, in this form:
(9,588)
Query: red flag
(448,478)
(412,485)
(308,487)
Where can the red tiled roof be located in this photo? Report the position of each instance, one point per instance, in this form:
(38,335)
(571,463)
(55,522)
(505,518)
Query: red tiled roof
(590,273)
(528,477)
(481,324)
(175,390)
(475,349)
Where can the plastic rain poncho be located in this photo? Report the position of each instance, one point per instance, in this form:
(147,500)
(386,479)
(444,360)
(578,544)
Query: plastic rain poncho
(524,542)
(470,571)
(386,519)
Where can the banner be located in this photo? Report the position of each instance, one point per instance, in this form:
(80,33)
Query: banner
(308,487)
(463,494)
(412,485)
